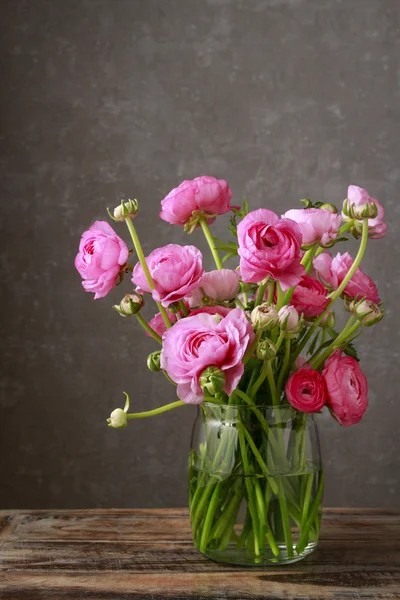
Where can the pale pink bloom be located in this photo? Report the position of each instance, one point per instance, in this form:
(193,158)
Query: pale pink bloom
(176,270)
(289,319)
(316,224)
(310,297)
(157,323)
(333,271)
(347,388)
(201,341)
(358,196)
(269,247)
(205,194)
(221,285)
(101,255)
(305,390)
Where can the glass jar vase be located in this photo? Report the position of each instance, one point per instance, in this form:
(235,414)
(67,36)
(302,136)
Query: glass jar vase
(255,484)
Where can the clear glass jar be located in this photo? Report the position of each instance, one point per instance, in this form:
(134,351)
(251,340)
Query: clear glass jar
(255,484)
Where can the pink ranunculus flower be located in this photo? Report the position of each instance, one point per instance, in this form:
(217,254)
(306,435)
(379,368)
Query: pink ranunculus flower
(347,388)
(305,390)
(219,285)
(316,224)
(269,246)
(201,341)
(101,255)
(205,194)
(157,323)
(176,270)
(333,271)
(358,196)
(211,310)
(310,297)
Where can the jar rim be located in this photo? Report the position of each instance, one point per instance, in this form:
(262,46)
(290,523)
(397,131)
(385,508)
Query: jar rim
(287,406)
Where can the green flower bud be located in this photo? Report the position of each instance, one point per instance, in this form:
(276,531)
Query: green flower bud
(128,208)
(212,381)
(329,208)
(264,317)
(131,304)
(266,350)
(118,419)
(369,210)
(153,361)
(328,320)
(367,312)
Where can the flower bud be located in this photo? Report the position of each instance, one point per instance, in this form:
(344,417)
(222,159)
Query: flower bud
(212,381)
(329,208)
(328,320)
(367,312)
(126,209)
(369,210)
(131,304)
(289,320)
(265,350)
(264,317)
(118,419)
(153,361)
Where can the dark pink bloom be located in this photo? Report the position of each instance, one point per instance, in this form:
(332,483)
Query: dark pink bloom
(310,297)
(205,194)
(176,271)
(316,224)
(333,271)
(358,196)
(305,390)
(201,341)
(269,246)
(101,255)
(347,388)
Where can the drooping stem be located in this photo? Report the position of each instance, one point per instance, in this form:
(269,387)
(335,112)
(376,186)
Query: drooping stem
(207,234)
(156,411)
(147,327)
(143,263)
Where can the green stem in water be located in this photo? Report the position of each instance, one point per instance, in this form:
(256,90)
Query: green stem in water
(210,241)
(271,381)
(143,263)
(147,327)
(156,411)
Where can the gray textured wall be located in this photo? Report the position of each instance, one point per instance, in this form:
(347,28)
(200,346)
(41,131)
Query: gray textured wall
(102,98)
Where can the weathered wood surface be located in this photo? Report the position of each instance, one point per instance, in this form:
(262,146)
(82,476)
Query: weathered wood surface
(134,554)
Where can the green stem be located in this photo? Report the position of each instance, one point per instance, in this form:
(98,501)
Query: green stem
(183,308)
(260,293)
(306,261)
(271,381)
(335,345)
(304,535)
(353,268)
(155,411)
(143,263)
(271,292)
(281,297)
(250,351)
(209,518)
(210,241)
(260,380)
(147,327)
(240,304)
(286,360)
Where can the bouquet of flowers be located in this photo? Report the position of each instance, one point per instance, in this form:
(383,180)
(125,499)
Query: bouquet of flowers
(256,346)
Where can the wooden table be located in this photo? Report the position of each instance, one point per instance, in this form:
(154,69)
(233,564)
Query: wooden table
(133,554)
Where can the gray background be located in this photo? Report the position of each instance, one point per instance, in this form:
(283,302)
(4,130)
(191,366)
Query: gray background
(106,98)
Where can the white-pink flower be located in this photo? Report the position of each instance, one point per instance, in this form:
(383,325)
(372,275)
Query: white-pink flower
(358,197)
(220,285)
(316,224)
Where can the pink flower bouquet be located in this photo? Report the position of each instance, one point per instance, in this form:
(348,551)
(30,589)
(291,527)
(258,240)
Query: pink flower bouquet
(256,346)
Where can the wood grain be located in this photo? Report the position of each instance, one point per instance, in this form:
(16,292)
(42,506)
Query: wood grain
(120,554)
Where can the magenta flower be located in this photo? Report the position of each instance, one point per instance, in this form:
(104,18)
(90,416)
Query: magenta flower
(347,388)
(310,297)
(207,195)
(316,224)
(333,271)
(176,271)
(358,197)
(269,246)
(198,342)
(101,255)
(305,390)
(219,285)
